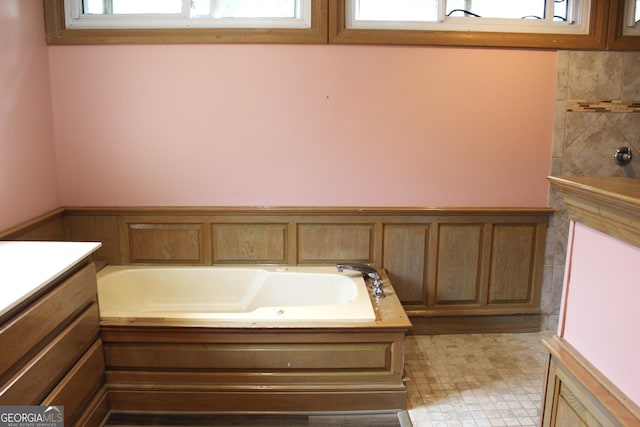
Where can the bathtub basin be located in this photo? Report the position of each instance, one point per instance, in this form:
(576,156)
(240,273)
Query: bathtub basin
(234,294)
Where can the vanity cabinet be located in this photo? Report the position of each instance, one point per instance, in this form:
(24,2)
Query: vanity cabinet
(594,363)
(51,351)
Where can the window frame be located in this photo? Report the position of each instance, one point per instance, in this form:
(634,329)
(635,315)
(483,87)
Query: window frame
(617,39)
(328,26)
(594,39)
(58,33)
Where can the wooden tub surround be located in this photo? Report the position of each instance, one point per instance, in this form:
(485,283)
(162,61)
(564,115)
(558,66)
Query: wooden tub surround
(203,367)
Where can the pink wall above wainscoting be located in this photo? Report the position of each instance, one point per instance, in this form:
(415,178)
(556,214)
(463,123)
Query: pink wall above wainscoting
(600,306)
(28,182)
(276,125)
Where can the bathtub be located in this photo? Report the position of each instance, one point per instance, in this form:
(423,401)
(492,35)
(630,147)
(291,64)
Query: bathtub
(233,294)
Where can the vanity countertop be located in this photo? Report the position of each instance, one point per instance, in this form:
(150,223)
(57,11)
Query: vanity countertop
(27,267)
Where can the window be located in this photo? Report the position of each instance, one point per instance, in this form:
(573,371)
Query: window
(187,13)
(557,24)
(632,18)
(532,16)
(624,25)
(186,21)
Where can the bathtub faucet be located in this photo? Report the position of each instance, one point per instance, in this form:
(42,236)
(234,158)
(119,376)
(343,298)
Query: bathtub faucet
(366,270)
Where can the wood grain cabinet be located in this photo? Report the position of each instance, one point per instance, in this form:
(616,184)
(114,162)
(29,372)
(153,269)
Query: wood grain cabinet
(51,352)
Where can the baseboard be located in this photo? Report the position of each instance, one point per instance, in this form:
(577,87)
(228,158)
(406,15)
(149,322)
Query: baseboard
(474,324)
(366,419)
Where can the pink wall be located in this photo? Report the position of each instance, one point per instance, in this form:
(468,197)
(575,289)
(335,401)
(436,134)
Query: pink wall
(600,306)
(28,183)
(302,125)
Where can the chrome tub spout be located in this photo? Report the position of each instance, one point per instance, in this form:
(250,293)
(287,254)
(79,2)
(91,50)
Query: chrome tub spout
(365,269)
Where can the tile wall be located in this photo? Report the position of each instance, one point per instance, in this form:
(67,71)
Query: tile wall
(597,111)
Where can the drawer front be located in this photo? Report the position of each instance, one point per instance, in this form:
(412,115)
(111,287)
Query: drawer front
(39,376)
(79,387)
(26,332)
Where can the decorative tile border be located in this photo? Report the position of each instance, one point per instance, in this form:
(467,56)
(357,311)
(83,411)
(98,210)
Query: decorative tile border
(603,106)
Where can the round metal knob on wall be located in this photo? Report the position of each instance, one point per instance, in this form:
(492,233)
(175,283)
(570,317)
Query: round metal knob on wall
(623,156)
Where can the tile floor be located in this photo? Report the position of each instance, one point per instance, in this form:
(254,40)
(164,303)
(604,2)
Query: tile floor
(475,380)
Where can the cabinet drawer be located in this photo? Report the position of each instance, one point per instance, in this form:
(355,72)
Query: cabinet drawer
(79,387)
(26,332)
(39,376)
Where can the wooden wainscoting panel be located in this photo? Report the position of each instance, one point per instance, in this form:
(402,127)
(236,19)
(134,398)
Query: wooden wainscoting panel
(405,249)
(96,228)
(250,357)
(459,262)
(250,243)
(512,262)
(49,226)
(443,261)
(330,243)
(165,242)
(577,394)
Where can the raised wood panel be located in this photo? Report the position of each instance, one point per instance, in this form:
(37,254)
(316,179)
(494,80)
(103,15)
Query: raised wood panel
(25,334)
(330,243)
(268,401)
(96,228)
(250,243)
(577,394)
(253,357)
(80,386)
(512,262)
(36,380)
(405,250)
(571,412)
(157,243)
(459,261)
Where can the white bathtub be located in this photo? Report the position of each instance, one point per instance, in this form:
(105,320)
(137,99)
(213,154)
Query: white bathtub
(234,294)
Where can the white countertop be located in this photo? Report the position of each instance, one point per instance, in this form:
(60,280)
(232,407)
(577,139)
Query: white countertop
(26,267)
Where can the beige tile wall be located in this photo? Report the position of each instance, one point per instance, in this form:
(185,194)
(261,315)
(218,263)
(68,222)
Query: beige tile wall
(597,111)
